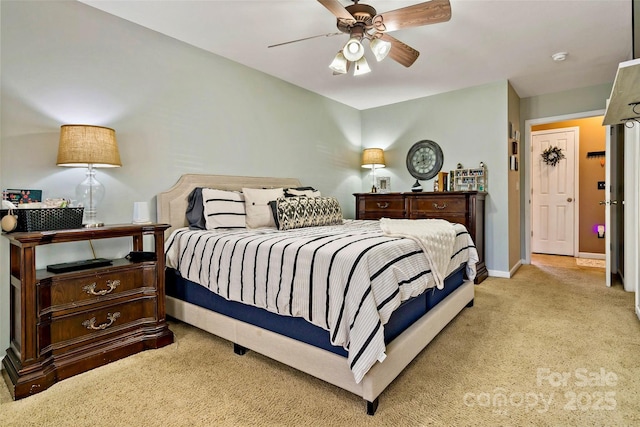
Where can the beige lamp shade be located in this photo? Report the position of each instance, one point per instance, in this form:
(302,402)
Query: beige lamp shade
(84,145)
(373,158)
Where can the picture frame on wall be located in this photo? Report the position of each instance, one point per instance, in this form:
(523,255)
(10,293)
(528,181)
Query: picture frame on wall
(384,184)
(514,147)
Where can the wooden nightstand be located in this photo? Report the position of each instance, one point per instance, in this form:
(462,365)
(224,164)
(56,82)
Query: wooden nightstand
(464,207)
(68,323)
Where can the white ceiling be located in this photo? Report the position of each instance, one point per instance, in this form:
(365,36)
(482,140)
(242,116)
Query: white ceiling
(485,41)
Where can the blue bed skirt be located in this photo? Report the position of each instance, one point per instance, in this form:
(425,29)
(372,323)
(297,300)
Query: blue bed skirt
(298,328)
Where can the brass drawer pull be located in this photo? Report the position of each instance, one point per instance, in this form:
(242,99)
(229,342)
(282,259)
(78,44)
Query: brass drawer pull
(91,323)
(384,205)
(437,206)
(91,289)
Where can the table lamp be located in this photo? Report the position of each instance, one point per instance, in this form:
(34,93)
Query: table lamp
(373,158)
(90,147)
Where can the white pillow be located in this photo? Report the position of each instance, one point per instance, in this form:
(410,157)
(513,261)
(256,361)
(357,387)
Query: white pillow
(223,209)
(259,212)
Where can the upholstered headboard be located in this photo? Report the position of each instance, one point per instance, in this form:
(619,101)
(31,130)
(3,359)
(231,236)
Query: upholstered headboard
(172,204)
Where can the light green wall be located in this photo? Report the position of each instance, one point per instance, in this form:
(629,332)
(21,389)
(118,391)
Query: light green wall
(591,98)
(176,109)
(470,125)
(514,181)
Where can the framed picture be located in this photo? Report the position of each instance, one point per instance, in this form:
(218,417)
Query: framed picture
(514,147)
(384,184)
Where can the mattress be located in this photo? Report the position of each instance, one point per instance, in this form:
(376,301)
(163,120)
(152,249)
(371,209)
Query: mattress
(297,328)
(347,280)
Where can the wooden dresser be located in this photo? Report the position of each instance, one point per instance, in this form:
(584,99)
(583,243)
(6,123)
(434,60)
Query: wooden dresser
(464,207)
(68,323)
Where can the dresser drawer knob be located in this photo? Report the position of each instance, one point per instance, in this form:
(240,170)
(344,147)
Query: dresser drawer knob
(91,289)
(384,205)
(91,323)
(437,206)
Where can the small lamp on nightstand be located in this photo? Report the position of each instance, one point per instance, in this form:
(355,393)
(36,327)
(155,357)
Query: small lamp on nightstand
(90,147)
(373,158)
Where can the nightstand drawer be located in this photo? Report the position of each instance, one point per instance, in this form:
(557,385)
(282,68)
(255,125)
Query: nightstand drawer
(71,329)
(66,291)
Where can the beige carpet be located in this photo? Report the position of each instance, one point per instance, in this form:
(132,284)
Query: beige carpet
(521,356)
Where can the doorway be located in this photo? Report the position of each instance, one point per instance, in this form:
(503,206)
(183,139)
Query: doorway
(553,192)
(591,198)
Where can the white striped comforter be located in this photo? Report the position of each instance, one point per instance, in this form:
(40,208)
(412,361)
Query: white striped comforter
(346,279)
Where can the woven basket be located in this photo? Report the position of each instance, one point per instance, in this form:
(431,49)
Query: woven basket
(47,219)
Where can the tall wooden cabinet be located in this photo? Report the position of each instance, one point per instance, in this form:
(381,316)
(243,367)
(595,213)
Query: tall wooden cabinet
(67,323)
(464,207)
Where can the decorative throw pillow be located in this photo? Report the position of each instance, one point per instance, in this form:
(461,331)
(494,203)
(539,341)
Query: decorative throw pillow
(257,205)
(195,210)
(299,212)
(223,209)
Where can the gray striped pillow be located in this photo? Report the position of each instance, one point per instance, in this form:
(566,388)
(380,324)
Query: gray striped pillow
(223,209)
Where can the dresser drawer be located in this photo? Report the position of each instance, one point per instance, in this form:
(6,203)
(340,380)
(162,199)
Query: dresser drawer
(459,218)
(66,291)
(69,330)
(379,206)
(439,205)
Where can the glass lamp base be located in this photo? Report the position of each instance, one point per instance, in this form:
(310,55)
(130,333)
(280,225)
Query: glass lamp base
(90,193)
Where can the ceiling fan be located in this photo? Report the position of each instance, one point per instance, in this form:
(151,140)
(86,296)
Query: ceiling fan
(361,21)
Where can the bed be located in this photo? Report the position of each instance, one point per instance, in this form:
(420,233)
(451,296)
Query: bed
(371,309)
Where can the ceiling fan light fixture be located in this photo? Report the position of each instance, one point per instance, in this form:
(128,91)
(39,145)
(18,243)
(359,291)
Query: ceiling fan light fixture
(339,64)
(380,48)
(353,50)
(362,67)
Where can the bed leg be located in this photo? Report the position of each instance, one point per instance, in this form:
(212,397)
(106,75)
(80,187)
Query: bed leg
(372,406)
(239,350)
(470,304)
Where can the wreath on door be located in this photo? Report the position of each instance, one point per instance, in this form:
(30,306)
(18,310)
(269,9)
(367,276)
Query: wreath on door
(552,155)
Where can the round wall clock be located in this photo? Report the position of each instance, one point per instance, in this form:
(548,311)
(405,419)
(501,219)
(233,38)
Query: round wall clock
(424,159)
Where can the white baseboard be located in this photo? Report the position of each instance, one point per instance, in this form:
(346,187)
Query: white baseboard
(505,274)
(591,255)
(515,268)
(499,273)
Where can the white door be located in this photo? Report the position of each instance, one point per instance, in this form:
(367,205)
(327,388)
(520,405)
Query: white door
(553,203)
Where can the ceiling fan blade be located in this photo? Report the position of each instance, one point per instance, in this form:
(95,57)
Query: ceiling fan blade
(307,38)
(431,12)
(401,52)
(338,10)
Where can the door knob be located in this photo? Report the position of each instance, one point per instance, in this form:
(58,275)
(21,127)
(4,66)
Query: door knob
(569,199)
